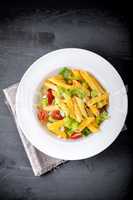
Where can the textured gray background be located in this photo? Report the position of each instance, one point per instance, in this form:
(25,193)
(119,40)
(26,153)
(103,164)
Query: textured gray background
(24,37)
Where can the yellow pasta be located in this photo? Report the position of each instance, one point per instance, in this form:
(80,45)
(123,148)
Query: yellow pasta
(85,123)
(64,107)
(55,128)
(76,84)
(96,100)
(59,82)
(97,84)
(81,106)
(50,85)
(77,112)
(94,110)
(76,74)
(56,125)
(102,103)
(93,127)
(92,84)
(72,104)
(89,112)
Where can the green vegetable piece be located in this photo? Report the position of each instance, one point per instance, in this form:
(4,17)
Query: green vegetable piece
(71,92)
(67,122)
(43,102)
(86,131)
(66,73)
(98,120)
(62,91)
(70,124)
(69,131)
(78,92)
(94,93)
(103,116)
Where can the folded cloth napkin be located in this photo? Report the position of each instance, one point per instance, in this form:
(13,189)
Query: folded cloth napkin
(40,162)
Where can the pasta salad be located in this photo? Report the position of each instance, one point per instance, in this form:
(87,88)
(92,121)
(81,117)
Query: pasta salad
(72,104)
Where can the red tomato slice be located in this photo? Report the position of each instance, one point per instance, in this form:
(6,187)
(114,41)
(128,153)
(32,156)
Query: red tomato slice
(50,96)
(42,116)
(56,115)
(76,135)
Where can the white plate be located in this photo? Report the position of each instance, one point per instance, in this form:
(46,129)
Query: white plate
(47,142)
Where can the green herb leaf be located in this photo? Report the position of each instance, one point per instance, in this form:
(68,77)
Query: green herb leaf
(86,131)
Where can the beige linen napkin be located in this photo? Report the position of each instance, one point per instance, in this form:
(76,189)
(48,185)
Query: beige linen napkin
(40,162)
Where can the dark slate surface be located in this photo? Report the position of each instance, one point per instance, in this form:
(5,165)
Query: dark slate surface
(27,34)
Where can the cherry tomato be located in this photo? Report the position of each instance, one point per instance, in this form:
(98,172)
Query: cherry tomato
(76,135)
(56,115)
(50,96)
(42,116)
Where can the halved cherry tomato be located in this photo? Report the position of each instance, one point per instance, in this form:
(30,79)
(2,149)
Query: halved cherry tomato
(76,135)
(50,96)
(56,115)
(42,116)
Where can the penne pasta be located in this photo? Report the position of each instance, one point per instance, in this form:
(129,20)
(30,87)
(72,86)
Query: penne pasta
(55,126)
(97,84)
(76,83)
(85,123)
(50,85)
(59,82)
(92,84)
(76,74)
(64,108)
(77,112)
(72,104)
(81,106)
(96,100)
(94,110)
(93,127)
